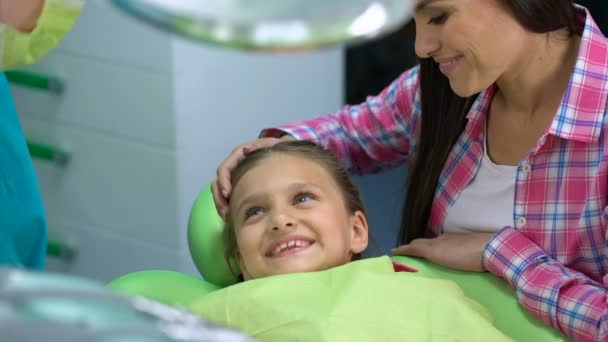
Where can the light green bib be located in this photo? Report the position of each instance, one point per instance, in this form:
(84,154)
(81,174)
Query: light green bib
(19,48)
(361,301)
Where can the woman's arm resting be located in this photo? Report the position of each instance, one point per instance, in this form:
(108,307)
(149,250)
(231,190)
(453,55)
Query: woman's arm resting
(564,298)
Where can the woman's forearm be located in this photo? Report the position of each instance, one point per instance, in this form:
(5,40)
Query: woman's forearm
(21,14)
(562,297)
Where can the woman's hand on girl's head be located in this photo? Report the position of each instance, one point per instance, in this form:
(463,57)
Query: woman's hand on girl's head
(222,187)
(456,251)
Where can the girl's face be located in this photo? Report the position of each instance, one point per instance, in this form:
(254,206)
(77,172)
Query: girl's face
(474,41)
(289,216)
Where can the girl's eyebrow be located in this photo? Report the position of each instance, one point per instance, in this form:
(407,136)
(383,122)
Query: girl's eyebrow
(252,198)
(299,186)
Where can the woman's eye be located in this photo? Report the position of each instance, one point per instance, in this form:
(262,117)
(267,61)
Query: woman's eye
(302,198)
(439,19)
(253,212)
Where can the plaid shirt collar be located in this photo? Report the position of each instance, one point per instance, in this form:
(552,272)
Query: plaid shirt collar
(580,115)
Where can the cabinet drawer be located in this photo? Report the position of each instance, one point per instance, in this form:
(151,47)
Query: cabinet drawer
(103,32)
(113,99)
(105,256)
(126,186)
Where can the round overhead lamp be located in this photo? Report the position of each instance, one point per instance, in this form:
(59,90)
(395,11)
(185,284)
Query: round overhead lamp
(273,24)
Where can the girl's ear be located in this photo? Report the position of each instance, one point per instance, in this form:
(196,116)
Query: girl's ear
(359,237)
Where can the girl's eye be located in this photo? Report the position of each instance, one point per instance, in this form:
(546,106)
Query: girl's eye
(439,19)
(302,198)
(255,211)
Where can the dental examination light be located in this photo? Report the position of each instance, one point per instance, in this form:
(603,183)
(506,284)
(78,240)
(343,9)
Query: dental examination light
(274,25)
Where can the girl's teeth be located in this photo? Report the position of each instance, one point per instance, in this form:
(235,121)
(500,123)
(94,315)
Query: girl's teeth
(284,245)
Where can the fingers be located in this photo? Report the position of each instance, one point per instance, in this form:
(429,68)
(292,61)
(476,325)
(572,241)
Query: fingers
(417,248)
(406,250)
(221,204)
(238,154)
(287,137)
(223,171)
(263,142)
(222,186)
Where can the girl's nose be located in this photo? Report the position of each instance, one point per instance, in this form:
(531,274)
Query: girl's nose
(282,221)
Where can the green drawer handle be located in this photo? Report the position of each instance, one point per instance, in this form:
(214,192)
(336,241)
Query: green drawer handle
(35,81)
(60,250)
(48,153)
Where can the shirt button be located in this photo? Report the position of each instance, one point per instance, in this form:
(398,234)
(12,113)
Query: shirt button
(542,141)
(526,168)
(521,222)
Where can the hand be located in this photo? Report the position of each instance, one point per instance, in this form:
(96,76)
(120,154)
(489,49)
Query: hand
(21,14)
(221,187)
(457,251)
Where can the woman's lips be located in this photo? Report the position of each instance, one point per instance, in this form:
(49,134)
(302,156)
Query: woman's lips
(448,65)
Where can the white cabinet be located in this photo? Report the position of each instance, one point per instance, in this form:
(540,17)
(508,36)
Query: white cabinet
(113,99)
(109,35)
(146,118)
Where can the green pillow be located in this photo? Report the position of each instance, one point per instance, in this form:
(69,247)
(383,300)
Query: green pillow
(167,287)
(207,241)
(497,296)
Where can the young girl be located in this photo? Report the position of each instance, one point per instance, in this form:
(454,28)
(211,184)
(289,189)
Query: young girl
(294,209)
(296,222)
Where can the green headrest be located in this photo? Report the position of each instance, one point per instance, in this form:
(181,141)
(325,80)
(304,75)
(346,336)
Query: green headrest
(207,241)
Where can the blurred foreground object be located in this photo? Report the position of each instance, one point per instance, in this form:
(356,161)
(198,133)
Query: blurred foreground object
(275,25)
(52,307)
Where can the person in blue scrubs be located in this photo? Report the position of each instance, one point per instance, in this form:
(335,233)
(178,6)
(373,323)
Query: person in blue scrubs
(22,220)
(23,234)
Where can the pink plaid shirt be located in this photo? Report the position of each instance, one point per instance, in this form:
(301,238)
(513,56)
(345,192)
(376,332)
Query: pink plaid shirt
(555,252)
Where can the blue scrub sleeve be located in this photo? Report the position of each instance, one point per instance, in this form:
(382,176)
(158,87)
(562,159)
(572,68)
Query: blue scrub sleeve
(23,236)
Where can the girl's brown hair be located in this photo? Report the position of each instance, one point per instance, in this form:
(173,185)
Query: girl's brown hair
(308,150)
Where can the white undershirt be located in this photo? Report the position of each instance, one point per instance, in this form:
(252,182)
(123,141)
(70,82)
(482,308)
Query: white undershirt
(486,205)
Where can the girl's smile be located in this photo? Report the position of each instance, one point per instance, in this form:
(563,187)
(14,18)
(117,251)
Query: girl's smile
(289,245)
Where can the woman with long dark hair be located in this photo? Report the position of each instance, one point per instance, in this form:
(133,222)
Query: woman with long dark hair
(503,126)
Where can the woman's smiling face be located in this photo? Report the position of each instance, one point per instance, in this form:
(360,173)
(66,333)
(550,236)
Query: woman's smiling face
(474,41)
(289,215)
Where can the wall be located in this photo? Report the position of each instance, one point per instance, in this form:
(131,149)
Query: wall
(224,98)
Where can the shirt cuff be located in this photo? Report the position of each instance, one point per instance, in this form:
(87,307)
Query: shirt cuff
(19,48)
(509,253)
(272,133)
(298,130)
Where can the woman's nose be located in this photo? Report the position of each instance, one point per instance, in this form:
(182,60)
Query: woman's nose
(427,42)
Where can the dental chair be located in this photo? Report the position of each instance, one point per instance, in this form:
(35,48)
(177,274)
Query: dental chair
(206,240)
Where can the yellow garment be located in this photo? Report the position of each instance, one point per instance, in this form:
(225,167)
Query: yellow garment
(19,48)
(360,301)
